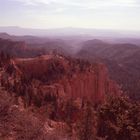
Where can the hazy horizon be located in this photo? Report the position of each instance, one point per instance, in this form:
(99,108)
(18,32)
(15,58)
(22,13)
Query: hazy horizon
(69,31)
(95,14)
(67,27)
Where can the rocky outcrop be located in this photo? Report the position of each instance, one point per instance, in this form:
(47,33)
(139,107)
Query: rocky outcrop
(93,85)
(56,92)
(57,77)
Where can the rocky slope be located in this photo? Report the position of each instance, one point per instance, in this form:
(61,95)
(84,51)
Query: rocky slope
(58,76)
(60,98)
(68,77)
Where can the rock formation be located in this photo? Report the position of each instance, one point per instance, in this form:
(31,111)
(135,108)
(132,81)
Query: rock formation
(58,76)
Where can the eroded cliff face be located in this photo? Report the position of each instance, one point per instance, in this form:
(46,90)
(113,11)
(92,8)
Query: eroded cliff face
(38,80)
(91,84)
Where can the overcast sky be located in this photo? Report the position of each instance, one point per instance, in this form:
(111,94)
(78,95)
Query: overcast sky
(103,14)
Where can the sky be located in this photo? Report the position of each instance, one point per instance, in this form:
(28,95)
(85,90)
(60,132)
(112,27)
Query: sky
(100,14)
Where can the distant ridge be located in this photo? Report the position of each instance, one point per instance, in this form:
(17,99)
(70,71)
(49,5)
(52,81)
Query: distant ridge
(68,32)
